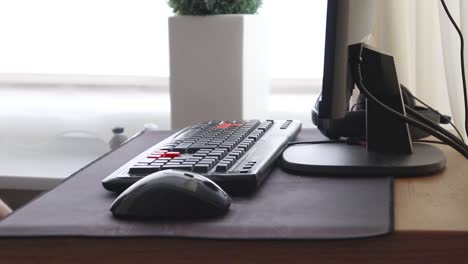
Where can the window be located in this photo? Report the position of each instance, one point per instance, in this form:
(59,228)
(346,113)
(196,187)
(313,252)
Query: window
(129,37)
(101,63)
(84,37)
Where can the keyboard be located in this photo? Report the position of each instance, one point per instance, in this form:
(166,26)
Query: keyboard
(237,155)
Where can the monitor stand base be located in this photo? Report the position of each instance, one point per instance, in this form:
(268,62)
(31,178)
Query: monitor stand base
(341,159)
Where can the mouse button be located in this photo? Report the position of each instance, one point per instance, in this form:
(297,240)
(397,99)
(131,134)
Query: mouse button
(211,192)
(171,179)
(199,178)
(191,185)
(211,185)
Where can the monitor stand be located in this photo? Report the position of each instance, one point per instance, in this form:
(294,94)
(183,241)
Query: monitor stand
(352,160)
(388,149)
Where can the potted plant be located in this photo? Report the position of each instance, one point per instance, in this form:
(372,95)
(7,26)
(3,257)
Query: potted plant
(218,61)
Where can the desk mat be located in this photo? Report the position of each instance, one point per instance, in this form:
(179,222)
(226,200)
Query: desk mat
(285,207)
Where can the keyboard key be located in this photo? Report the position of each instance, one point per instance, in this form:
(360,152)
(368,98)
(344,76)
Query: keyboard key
(158,164)
(178,159)
(209,162)
(186,134)
(167,148)
(222,167)
(159,152)
(194,148)
(178,167)
(213,159)
(173,163)
(221,150)
(243,146)
(238,150)
(182,147)
(201,168)
(216,155)
(194,159)
(144,170)
(148,160)
(142,163)
(226,147)
(234,154)
(172,154)
(229,162)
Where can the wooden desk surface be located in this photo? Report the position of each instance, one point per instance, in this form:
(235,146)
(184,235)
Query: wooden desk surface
(435,203)
(431,219)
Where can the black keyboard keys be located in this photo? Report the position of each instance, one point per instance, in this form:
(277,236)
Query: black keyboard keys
(217,145)
(182,147)
(202,168)
(222,167)
(178,167)
(144,170)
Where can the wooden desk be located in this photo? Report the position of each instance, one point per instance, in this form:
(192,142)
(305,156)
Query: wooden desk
(431,218)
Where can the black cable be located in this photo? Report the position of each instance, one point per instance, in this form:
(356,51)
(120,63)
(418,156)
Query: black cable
(462,149)
(427,121)
(431,142)
(316,142)
(437,112)
(456,130)
(462,59)
(354,106)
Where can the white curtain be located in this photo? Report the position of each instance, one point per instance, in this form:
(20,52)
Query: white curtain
(451,51)
(426,49)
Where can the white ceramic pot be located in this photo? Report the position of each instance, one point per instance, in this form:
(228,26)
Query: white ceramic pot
(219,68)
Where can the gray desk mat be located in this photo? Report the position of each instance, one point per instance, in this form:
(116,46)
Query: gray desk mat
(286,206)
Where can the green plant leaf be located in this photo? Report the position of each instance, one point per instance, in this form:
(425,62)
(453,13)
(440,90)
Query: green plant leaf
(214,7)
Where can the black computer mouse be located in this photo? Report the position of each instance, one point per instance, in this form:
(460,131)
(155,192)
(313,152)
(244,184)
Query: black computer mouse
(172,194)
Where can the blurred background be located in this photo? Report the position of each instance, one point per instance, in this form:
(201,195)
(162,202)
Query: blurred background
(90,65)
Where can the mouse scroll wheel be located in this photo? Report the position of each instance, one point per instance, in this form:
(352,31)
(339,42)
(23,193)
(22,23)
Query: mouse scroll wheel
(211,185)
(189,175)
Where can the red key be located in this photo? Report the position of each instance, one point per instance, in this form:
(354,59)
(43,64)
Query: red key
(172,154)
(224,125)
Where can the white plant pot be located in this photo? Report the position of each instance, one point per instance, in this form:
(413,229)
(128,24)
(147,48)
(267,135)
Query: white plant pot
(218,67)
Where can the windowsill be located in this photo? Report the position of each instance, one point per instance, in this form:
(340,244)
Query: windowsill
(44,106)
(48,163)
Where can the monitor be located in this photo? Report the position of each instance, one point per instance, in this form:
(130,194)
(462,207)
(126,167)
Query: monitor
(384,145)
(348,22)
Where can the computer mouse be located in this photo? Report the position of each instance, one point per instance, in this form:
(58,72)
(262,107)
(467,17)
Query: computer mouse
(172,194)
